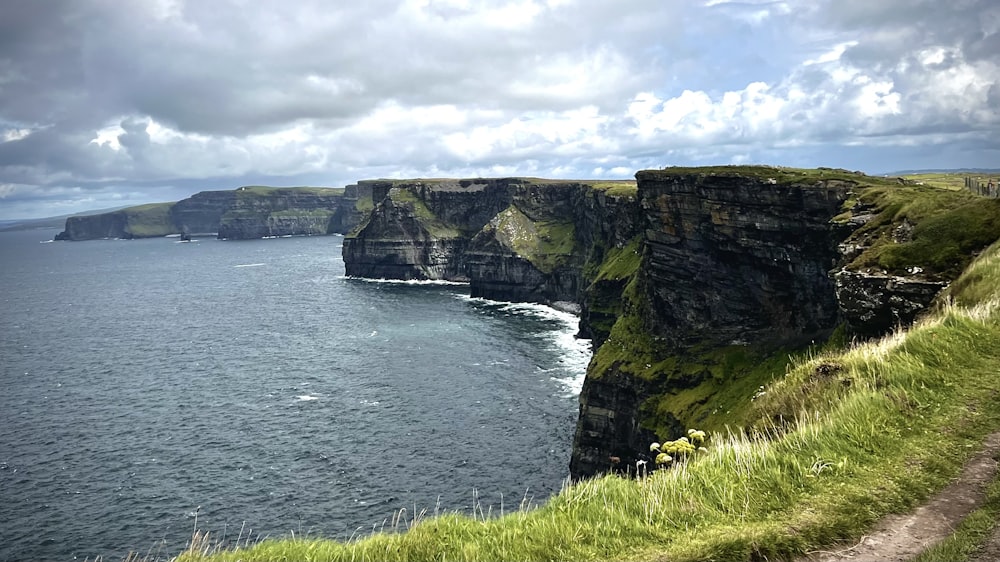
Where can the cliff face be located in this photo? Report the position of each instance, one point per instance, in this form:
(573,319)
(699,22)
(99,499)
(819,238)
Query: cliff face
(734,259)
(133,222)
(202,212)
(282,212)
(688,261)
(512,239)
(729,262)
(247,212)
(104,225)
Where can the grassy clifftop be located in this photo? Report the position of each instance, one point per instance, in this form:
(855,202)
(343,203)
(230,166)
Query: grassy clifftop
(149,220)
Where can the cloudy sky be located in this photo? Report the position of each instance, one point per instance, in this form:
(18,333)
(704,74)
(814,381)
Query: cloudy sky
(109,103)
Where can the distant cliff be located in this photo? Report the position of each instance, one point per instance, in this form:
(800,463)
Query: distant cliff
(243,213)
(512,239)
(695,284)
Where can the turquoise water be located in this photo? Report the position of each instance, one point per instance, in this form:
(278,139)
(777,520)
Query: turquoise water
(251,388)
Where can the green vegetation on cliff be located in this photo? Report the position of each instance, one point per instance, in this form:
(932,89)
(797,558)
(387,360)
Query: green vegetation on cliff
(916,226)
(778,175)
(434,226)
(547,244)
(150,220)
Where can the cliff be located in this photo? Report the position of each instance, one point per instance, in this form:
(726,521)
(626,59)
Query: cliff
(742,268)
(512,239)
(133,222)
(696,285)
(243,213)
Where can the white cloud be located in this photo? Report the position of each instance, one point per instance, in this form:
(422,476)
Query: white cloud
(11,135)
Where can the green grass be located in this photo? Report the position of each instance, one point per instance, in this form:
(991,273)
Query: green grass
(434,226)
(623,188)
(779,174)
(937,230)
(949,180)
(150,220)
(620,263)
(364,205)
(547,244)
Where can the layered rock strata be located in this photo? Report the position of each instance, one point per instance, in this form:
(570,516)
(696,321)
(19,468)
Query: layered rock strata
(512,239)
(728,260)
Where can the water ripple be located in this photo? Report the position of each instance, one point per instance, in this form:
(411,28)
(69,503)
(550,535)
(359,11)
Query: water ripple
(144,379)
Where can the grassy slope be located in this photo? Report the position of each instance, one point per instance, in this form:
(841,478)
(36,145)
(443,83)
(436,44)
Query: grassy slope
(428,220)
(546,244)
(890,424)
(949,180)
(948,228)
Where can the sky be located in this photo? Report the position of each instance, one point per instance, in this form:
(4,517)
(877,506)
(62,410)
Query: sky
(108,103)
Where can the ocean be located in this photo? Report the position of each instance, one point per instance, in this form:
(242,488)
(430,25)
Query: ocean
(250,389)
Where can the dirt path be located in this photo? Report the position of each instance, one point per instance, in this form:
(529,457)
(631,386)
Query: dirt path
(898,538)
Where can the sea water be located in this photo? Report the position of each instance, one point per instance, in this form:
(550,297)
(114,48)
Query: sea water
(249,389)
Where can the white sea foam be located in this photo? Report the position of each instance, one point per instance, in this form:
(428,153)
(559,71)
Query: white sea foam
(249,265)
(403,282)
(575,352)
(307,397)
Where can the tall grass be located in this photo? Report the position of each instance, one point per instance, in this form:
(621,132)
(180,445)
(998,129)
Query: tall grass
(843,439)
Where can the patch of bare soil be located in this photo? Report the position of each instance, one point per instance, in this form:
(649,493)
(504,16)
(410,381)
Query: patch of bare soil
(898,538)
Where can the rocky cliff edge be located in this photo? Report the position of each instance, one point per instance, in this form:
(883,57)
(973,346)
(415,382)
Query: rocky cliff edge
(695,284)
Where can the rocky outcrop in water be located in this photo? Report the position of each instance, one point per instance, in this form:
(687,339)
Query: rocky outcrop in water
(243,213)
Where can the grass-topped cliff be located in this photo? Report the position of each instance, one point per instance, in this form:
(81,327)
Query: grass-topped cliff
(842,438)
(814,434)
(245,212)
(520,239)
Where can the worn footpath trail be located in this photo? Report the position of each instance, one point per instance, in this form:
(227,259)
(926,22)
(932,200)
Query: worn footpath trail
(898,538)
